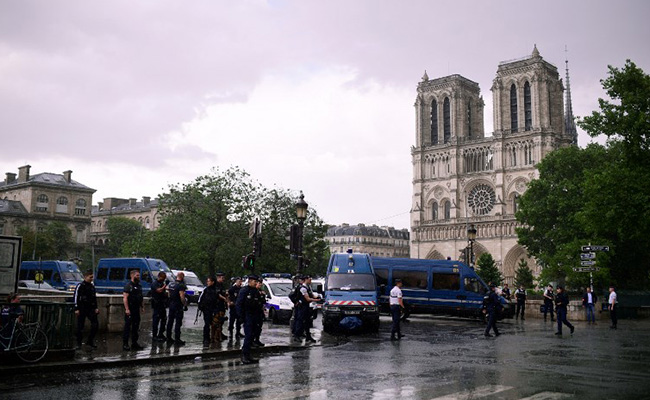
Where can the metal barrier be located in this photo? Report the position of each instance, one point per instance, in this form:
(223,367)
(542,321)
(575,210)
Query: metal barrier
(56,319)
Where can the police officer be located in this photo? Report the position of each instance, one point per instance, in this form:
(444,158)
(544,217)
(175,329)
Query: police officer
(520,295)
(303,311)
(159,299)
(133,307)
(233,292)
(208,306)
(220,312)
(492,306)
(260,314)
(396,305)
(177,304)
(85,306)
(247,307)
(549,298)
(505,292)
(561,303)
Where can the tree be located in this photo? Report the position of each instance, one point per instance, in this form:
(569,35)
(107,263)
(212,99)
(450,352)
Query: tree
(524,275)
(487,269)
(53,242)
(124,234)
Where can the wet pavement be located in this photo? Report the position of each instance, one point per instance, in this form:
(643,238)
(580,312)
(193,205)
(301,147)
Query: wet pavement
(440,358)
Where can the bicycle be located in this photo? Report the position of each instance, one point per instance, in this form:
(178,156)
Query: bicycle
(27,340)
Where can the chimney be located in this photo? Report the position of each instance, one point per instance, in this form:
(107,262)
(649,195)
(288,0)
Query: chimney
(11,177)
(100,205)
(67,175)
(23,173)
(146,200)
(132,202)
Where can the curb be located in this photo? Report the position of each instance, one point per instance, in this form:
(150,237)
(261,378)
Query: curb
(119,362)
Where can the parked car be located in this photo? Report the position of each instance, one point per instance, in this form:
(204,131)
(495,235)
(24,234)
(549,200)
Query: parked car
(62,275)
(33,285)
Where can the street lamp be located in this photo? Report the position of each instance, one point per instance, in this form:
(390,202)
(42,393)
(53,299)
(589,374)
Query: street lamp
(471,237)
(301,213)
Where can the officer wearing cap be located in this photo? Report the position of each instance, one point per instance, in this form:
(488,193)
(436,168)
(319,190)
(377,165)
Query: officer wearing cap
(208,306)
(222,305)
(247,305)
(303,311)
(492,306)
(396,305)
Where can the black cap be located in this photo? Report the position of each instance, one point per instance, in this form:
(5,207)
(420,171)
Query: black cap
(253,277)
(220,274)
(492,285)
(397,280)
(560,287)
(306,276)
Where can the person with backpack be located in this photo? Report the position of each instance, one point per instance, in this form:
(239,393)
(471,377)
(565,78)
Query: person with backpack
(302,316)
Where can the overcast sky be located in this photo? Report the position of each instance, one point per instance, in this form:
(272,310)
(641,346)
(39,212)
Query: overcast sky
(310,95)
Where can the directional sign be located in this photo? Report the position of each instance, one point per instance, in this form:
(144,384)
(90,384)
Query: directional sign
(586,269)
(589,248)
(587,263)
(587,256)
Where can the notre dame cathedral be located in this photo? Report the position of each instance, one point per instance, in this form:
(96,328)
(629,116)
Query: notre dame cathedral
(462,177)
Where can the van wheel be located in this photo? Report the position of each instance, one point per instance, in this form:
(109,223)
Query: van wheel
(273,316)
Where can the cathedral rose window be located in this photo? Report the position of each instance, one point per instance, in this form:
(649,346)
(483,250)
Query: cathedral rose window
(481,199)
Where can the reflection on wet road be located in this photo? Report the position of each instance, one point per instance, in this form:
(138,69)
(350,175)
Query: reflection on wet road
(438,359)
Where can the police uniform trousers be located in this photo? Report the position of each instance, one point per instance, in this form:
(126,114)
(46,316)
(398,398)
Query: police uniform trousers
(561,319)
(492,322)
(613,316)
(300,322)
(234,318)
(208,315)
(81,320)
(131,325)
(258,327)
(159,321)
(250,322)
(217,325)
(548,307)
(175,320)
(395,313)
(521,306)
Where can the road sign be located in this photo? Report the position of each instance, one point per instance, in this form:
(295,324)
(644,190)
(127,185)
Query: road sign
(587,263)
(586,269)
(587,256)
(589,248)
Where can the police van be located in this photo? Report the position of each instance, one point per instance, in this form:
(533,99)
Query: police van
(434,286)
(194,285)
(63,275)
(277,287)
(350,291)
(113,273)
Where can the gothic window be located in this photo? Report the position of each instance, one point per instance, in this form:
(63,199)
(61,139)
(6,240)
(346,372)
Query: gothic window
(528,113)
(147,224)
(447,210)
(80,207)
(469,119)
(513,109)
(62,204)
(481,199)
(434,211)
(446,111)
(513,155)
(42,203)
(434,122)
(515,201)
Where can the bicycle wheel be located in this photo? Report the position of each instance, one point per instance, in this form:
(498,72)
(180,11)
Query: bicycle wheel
(31,344)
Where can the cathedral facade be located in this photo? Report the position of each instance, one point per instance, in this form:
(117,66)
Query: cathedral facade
(464,179)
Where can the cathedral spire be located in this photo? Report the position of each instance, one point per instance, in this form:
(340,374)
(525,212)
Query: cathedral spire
(425,77)
(569,120)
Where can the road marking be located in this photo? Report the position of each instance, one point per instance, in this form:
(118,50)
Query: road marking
(481,391)
(547,396)
(310,393)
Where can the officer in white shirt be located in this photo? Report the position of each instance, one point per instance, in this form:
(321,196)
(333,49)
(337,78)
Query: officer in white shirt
(396,305)
(613,302)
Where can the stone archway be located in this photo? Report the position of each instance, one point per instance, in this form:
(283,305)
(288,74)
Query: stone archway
(434,255)
(511,263)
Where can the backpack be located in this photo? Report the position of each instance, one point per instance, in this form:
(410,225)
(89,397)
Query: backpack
(295,295)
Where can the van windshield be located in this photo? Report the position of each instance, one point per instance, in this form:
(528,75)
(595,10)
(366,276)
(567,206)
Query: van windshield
(280,289)
(357,282)
(192,280)
(72,276)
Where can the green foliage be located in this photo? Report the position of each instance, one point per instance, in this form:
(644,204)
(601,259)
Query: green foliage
(487,269)
(524,275)
(123,235)
(54,242)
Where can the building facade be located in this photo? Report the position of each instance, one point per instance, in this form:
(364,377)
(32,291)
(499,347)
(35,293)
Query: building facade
(380,241)
(461,177)
(145,212)
(33,201)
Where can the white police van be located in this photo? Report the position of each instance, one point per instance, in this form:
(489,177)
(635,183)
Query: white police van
(277,288)
(194,285)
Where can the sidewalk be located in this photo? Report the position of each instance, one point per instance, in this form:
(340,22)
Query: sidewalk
(109,353)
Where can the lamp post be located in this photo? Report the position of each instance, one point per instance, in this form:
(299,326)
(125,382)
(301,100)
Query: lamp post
(301,213)
(471,237)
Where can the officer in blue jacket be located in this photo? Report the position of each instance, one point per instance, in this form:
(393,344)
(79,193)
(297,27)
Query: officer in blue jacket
(247,305)
(492,307)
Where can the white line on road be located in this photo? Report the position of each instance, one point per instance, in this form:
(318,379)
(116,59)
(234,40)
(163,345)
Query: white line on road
(481,391)
(547,396)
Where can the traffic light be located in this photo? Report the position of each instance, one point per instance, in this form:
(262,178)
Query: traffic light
(248,261)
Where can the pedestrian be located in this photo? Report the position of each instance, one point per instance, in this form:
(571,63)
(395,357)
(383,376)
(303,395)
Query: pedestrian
(260,313)
(133,307)
(520,295)
(177,306)
(561,303)
(247,304)
(159,302)
(589,302)
(85,306)
(396,305)
(613,307)
(549,299)
(505,292)
(207,304)
(302,308)
(233,292)
(10,313)
(493,306)
(220,312)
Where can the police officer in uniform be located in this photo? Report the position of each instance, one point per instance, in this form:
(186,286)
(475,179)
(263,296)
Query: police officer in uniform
(159,298)
(177,304)
(260,313)
(549,298)
(233,292)
(303,311)
(247,307)
(208,306)
(561,303)
(520,295)
(492,306)
(133,307)
(396,305)
(85,306)
(220,312)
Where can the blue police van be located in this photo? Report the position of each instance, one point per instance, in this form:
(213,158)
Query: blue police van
(113,273)
(63,275)
(350,292)
(434,286)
